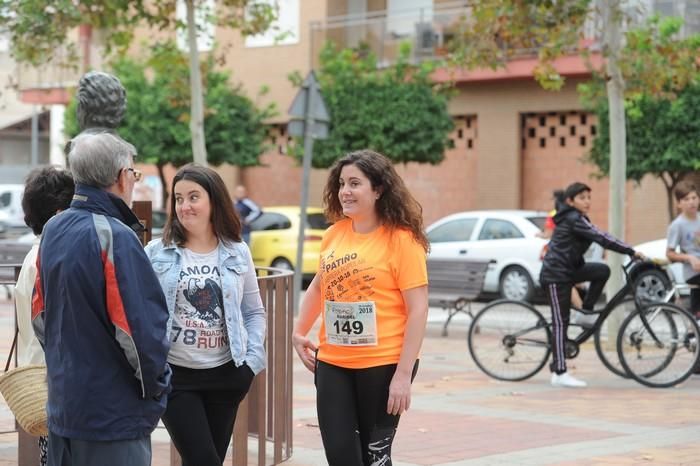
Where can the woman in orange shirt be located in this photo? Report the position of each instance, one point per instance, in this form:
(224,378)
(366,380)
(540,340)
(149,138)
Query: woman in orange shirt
(371,289)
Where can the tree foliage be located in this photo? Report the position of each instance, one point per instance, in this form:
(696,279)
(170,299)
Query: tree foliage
(663,138)
(396,110)
(495,31)
(158,105)
(38,28)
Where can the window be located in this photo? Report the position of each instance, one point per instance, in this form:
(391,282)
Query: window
(5,199)
(317,222)
(283,31)
(456,230)
(270,221)
(538,221)
(499,229)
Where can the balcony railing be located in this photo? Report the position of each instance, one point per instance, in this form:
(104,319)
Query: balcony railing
(428,30)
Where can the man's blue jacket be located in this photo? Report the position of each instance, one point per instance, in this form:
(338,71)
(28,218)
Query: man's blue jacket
(99,311)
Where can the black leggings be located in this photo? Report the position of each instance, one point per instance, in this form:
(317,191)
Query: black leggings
(351,404)
(202,409)
(559,295)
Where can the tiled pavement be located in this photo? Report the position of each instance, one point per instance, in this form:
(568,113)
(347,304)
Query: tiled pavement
(461,417)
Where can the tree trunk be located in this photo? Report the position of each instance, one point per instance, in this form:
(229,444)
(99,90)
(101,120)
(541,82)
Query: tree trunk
(165,192)
(669,185)
(612,24)
(199,149)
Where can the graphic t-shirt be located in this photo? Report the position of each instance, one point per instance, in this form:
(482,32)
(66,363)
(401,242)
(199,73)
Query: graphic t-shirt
(362,277)
(685,233)
(198,338)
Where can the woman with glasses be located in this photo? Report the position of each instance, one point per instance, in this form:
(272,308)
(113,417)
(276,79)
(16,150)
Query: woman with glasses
(217,320)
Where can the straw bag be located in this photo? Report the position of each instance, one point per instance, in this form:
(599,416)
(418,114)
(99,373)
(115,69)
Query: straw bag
(25,391)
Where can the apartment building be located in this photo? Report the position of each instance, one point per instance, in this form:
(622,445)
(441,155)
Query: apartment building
(514,143)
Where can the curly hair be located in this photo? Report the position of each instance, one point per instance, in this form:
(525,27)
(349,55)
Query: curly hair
(101,101)
(224,220)
(396,206)
(46,191)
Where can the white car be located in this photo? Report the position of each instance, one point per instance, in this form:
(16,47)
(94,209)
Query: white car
(507,238)
(657,250)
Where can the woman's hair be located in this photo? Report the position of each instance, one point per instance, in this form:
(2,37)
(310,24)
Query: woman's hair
(396,206)
(224,219)
(46,191)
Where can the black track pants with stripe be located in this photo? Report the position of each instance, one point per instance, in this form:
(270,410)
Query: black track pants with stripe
(559,295)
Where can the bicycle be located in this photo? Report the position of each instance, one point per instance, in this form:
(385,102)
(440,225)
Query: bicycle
(511,340)
(658,342)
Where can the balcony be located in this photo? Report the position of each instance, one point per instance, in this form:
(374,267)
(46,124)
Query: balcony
(50,83)
(428,30)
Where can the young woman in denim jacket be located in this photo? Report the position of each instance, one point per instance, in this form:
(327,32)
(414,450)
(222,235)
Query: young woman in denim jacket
(217,320)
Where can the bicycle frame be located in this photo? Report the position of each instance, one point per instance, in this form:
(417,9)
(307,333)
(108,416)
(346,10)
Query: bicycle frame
(609,306)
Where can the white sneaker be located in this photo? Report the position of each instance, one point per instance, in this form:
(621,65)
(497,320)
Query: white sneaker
(567,380)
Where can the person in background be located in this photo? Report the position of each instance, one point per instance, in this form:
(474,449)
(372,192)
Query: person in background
(371,290)
(247,210)
(101,316)
(559,203)
(683,239)
(564,266)
(47,191)
(217,319)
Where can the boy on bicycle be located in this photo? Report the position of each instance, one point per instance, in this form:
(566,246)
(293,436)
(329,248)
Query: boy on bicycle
(564,265)
(683,239)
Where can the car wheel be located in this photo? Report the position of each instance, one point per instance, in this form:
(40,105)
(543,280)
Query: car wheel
(650,286)
(282,263)
(516,284)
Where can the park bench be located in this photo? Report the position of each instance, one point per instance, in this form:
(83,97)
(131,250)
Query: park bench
(453,284)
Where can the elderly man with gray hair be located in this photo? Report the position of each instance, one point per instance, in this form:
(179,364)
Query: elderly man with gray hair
(100,313)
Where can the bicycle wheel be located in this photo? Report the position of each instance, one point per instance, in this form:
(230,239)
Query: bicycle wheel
(605,337)
(509,340)
(658,345)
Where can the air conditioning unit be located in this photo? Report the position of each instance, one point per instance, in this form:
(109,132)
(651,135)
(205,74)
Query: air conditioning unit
(426,39)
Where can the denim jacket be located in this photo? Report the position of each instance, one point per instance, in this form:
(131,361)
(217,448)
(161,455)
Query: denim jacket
(243,309)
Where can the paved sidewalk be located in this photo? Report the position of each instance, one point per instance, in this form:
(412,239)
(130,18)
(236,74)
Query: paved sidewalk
(459,416)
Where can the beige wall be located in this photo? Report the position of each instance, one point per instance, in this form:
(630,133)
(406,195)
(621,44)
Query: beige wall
(498,106)
(255,67)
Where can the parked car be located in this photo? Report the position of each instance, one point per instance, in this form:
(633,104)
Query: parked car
(12,251)
(657,250)
(655,286)
(507,238)
(274,235)
(11,214)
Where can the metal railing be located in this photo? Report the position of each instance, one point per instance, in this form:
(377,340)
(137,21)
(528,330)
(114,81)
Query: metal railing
(428,30)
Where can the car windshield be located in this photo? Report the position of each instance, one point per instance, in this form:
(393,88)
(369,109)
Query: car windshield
(538,221)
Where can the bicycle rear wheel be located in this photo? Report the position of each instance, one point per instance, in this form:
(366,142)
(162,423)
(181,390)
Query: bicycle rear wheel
(658,345)
(605,337)
(509,340)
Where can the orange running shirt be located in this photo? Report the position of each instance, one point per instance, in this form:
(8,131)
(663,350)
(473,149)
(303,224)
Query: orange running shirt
(376,267)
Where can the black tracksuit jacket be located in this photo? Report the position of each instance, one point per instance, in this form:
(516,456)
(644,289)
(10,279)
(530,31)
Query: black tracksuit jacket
(572,236)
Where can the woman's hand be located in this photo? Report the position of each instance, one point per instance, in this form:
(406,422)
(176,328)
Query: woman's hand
(639,255)
(399,394)
(306,350)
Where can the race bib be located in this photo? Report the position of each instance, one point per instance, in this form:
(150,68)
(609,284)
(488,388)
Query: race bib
(351,324)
